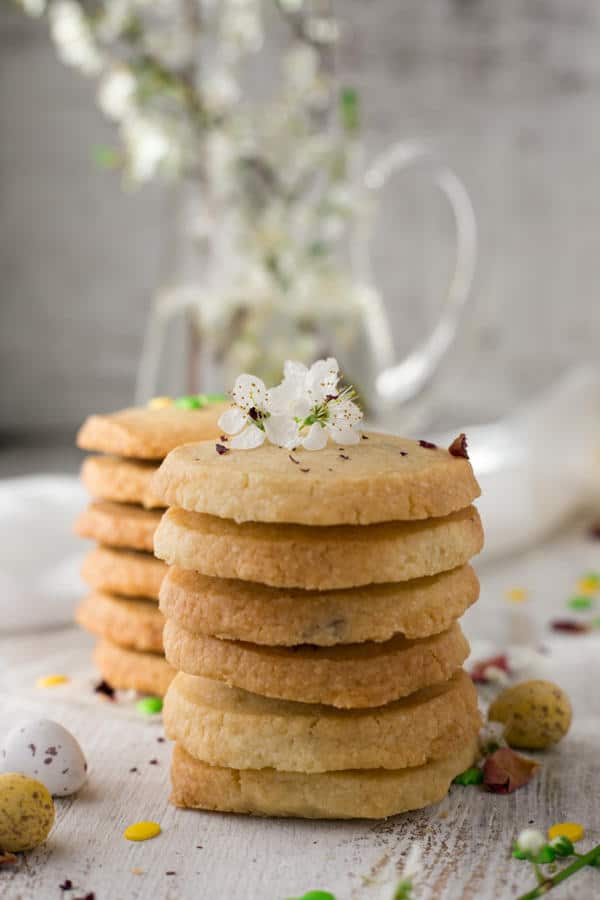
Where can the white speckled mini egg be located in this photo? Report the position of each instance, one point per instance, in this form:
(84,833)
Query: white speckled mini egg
(43,749)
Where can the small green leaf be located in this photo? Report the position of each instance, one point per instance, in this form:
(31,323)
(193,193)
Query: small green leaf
(546,855)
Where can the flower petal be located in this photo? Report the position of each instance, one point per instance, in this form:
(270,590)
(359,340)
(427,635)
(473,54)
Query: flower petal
(249,391)
(342,435)
(322,378)
(316,438)
(232,420)
(282,431)
(248,439)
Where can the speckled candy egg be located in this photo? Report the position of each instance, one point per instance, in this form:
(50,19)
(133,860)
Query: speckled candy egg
(26,812)
(45,750)
(535,714)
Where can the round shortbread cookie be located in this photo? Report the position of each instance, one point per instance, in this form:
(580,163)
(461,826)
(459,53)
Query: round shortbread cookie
(146,433)
(229,727)
(118,525)
(125,670)
(246,611)
(347,675)
(126,572)
(353,794)
(134,623)
(120,480)
(380,479)
(337,556)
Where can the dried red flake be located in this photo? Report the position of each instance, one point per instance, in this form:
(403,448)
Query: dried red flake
(364,437)
(305,470)
(459,447)
(104,688)
(343,456)
(67,885)
(221,449)
(404,453)
(161,740)
(153,762)
(505,771)
(133,769)
(478,672)
(294,460)
(428,445)
(224,438)
(571,626)
(90,896)
(171,872)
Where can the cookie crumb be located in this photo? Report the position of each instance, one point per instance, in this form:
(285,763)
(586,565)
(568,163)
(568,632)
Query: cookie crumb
(7,858)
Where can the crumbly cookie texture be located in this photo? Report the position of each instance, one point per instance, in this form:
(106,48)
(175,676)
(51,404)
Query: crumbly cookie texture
(364,794)
(136,624)
(118,525)
(126,670)
(120,480)
(126,572)
(347,676)
(338,556)
(247,611)
(229,727)
(146,433)
(383,478)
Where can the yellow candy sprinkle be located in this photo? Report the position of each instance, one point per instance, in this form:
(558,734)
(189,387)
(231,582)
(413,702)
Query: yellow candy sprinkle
(51,681)
(160,402)
(142,831)
(587,586)
(570,830)
(517,595)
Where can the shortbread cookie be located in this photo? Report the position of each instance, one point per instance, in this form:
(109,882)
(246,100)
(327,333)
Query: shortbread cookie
(383,478)
(353,794)
(246,611)
(148,433)
(137,624)
(148,673)
(120,480)
(118,525)
(337,556)
(126,572)
(347,675)
(230,727)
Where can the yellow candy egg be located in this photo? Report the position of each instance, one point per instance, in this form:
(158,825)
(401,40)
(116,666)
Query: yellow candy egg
(572,830)
(535,714)
(26,812)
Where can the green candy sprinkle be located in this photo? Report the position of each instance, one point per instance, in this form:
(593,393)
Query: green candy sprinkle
(562,846)
(193,401)
(469,776)
(216,398)
(149,706)
(580,602)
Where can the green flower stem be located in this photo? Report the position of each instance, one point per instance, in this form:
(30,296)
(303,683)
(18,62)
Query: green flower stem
(542,889)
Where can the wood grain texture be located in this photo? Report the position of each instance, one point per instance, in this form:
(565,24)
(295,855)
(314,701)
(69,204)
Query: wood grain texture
(465,839)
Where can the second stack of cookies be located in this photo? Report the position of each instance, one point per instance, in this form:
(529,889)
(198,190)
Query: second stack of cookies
(121,609)
(312,606)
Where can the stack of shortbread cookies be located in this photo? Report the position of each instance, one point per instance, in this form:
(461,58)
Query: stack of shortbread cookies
(124,577)
(312,602)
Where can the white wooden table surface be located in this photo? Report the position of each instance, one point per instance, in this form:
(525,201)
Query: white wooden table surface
(465,839)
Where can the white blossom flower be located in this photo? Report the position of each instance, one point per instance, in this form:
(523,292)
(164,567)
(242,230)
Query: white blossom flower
(34,8)
(241,27)
(531,841)
(73,37)
(312,398)
(301,67)
(150,148)
(116,93)
(220,91)
(250,419)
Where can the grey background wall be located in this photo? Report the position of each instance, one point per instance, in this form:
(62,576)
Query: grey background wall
(510,91)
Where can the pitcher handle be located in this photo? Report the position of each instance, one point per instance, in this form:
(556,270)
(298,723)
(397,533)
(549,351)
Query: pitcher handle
(400,382)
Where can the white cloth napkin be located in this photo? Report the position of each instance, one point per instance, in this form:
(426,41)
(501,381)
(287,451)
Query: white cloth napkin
(40,556)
